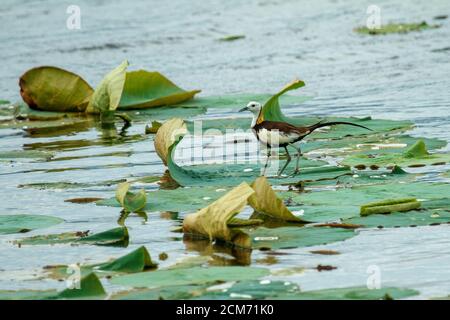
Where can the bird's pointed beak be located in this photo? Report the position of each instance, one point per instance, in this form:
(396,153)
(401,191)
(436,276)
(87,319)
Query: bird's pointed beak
(243,109)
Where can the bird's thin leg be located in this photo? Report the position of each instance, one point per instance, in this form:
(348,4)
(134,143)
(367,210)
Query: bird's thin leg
(297,163)
(287,161)
(269,151)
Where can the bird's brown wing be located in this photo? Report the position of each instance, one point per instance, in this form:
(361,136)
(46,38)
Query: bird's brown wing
(282,127)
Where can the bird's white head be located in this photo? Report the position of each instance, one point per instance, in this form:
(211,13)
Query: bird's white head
(253,106)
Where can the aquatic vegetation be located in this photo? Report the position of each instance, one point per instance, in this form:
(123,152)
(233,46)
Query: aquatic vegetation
(108,93)
(213,221)
(144,89)
(350,179)
(90,287)
(57,90)
(114,237)
(186,276)
(416,155)
(232,37)
(130,202)
(396,28)
(138,260)
(388,206)
(21,223)
(54,89)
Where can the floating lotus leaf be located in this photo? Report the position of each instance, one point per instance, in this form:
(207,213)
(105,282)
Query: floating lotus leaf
(352,293)
(21,223)
(417,154)
(54,89)
(113,237)
(90,287)
(135,261)
(165,293)
(144,89)
(186,276)
(293,237)
(402,219)
(108,93)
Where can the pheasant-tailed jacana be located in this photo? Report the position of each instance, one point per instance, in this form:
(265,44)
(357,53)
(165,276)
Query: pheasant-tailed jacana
(283,134)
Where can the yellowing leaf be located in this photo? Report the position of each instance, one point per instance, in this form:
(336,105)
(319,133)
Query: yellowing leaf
(108,93)
(265,201)
(54,89)
(167,134)
(212,221)
(131,202)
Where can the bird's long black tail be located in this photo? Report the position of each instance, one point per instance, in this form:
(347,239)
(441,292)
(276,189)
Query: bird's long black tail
(333,123)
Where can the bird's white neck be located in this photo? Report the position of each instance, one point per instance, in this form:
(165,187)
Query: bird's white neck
(255,118)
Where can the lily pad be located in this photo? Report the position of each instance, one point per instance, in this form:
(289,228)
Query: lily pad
(144,89)
(165,293)
(54,89)
(402,219)
(90,287)
(352,293)
(113,237)
(294,237)
(417,154)
(21,223)
(186,276)
(135,261)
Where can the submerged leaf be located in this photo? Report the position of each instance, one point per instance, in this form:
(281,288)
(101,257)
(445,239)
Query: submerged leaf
(54,89)
(144,89)
(108,93)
